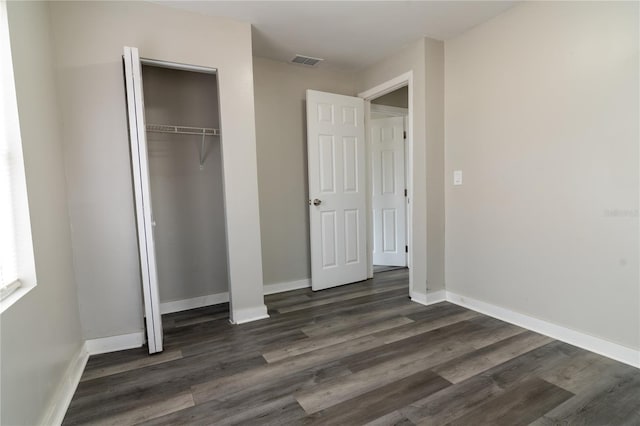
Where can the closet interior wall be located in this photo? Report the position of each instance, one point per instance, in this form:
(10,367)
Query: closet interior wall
(187,199)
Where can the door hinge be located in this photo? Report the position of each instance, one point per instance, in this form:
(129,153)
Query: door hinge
(406,249)
(405,192)
(404,134)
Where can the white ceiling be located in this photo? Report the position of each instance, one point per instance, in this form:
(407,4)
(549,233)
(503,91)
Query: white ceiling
(349,35)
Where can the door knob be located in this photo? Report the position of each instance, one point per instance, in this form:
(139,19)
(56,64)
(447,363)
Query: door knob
(317,202)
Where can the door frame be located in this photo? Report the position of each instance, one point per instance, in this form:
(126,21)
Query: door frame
(405,79)
(140,178)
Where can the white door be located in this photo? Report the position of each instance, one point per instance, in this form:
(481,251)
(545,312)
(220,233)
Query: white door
(142,192)
(337,197)
(388,200)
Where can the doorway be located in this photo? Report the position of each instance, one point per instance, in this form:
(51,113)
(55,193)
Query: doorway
(370,96)
(339,163)
(178,187)
(185,176)
(387,150)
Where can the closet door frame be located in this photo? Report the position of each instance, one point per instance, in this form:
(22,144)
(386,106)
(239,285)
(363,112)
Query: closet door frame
(142,187)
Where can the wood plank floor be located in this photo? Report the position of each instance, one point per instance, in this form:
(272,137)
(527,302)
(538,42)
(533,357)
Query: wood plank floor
(357,354)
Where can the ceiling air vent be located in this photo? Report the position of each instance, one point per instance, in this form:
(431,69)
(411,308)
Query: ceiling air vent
(306,60)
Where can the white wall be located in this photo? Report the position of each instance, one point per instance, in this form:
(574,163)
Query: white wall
(188,202)
(41,332)
(282,162)
(425,58)
(542,118)
(88,41)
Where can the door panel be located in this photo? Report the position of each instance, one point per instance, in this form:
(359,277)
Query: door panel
(327,164)
(142,193)
(350,147)
(351,236)
(389,231)
(388,199)
(329,239)
(335,145)
(387,163)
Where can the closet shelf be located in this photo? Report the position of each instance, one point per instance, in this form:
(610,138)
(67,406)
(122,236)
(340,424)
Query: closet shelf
(186,130)
(182,130)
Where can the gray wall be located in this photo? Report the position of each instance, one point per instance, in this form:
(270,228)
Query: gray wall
(188,204)
(435,178)
(542,118)
(398,98)
(282,162)
(41,332)
(89,37)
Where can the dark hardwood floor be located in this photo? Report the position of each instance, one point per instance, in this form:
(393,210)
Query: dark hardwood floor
(358,354)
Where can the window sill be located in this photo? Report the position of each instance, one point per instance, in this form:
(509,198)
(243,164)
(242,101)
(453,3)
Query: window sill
(15,296)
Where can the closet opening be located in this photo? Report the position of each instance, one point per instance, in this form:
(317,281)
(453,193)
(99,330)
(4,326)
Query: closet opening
(185,176)
(174,126)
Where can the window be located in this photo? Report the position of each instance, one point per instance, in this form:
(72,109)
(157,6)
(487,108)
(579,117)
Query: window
(17,270)
(8,262)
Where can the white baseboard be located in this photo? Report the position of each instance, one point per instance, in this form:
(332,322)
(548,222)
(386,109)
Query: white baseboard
(286,286)
(436,296)
(420,298)
(196,302)
(61,399)
(428,298)
(558,332)
(241,316)
(114,343)
(216,299)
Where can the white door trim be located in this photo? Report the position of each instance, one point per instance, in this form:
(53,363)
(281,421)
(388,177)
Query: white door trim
(389,86)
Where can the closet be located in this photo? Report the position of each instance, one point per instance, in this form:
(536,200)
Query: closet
(177,177)
(185,173)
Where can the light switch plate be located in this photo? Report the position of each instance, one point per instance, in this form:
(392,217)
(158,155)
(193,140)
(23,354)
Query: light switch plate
(457,177)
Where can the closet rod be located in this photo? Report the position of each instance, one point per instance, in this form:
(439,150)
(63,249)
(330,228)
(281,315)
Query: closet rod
(182,130)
